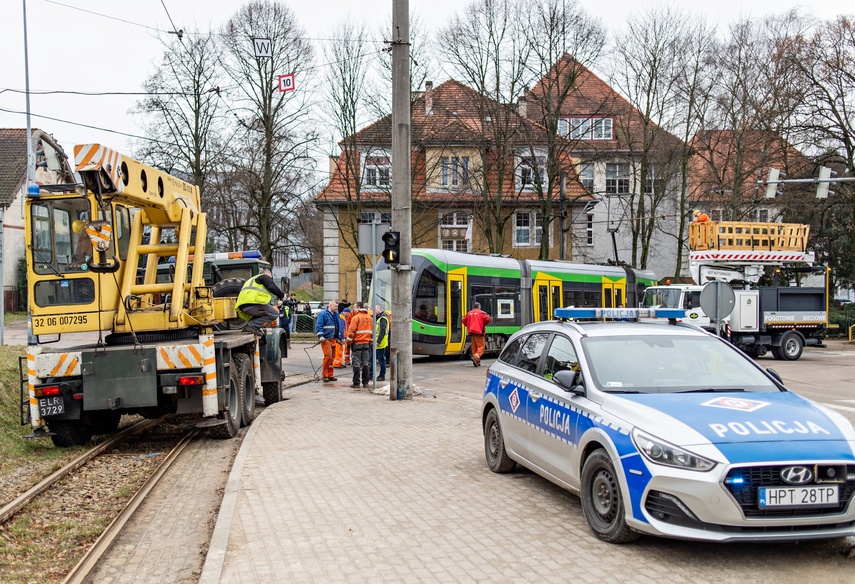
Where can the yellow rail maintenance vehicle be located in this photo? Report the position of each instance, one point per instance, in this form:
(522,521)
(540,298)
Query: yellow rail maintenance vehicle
(157,349)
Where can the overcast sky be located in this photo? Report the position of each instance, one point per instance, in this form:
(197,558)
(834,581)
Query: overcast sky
(71,49)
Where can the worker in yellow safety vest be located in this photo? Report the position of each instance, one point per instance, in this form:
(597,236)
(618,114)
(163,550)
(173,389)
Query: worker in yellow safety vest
(253,302)
(381,334)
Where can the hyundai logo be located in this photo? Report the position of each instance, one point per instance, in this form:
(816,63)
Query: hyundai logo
(797,475)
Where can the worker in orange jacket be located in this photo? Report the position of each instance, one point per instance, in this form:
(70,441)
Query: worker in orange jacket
(476,321)
(339,360)
(360,332)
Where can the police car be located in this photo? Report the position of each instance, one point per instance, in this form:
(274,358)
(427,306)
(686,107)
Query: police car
(662,428)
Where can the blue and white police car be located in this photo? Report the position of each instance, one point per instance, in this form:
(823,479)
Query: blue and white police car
(662,428)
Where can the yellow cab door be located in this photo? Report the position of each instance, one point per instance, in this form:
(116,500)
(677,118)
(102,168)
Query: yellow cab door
(614,293)
(456,310)
(547,297)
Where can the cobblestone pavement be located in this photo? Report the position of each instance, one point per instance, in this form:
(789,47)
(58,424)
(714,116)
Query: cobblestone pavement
(339,485)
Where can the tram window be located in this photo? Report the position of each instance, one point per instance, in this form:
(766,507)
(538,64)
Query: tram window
(484,296)
(507,305)
(430,293)
(592,299)
(572,298)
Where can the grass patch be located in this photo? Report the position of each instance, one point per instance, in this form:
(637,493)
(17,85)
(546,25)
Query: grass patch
(14,317)
(15,451)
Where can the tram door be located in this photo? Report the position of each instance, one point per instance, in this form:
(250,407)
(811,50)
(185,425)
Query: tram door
(614,293)
(456,311)
(547,297)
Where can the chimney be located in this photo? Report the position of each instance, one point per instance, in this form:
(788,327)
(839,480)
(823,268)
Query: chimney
(522,106)
(428,98)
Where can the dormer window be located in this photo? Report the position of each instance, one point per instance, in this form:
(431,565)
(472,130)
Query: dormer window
(528,168)
(455,172)
(378,172)
(586,128)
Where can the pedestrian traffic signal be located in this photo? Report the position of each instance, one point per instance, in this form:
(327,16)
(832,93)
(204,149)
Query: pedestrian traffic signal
(392,250)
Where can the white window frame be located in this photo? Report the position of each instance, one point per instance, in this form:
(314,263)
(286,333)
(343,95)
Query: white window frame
(589,229)
(377,172)
(617,178)
(586,176)
(370,216)
(454,219)
(650,187)
(455,172)
(763,215)
(454,245)
(587,128)
(534,220)
(525,168)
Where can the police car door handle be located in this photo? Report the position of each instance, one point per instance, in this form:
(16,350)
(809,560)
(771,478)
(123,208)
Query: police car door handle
(534,395)
(503,383)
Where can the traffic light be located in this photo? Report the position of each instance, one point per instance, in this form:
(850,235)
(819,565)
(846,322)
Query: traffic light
(824,182)
(392,249)
(772,188)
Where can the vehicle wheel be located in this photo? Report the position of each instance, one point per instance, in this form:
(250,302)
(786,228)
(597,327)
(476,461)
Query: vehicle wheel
(494,445)
(272,392)
(602,502)
(791,347)
(69,433)
(104,422)
(247,381)
(232,414)
(224,289)
(777,353)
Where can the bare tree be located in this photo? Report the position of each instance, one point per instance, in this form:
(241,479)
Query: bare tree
(485,48)
(275,147)
(345,97)
(647,72)
(183,111)
(564,41)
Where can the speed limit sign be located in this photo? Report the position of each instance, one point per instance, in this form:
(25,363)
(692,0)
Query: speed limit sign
(286,82)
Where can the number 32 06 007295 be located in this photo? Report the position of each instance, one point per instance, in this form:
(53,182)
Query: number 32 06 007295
(70,319)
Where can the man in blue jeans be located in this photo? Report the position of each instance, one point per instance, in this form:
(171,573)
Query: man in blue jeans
(292,307)
(381,337)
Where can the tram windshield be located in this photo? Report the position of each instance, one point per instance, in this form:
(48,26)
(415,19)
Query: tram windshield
(381,286)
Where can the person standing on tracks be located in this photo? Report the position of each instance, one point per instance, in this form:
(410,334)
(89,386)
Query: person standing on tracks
(330,333)
(381,333)
(476,321)
(253,302)
(360,332)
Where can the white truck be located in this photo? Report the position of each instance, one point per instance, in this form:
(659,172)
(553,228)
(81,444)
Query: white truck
(780,319)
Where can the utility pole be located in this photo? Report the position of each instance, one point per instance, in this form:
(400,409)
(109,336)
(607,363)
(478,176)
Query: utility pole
(401,340)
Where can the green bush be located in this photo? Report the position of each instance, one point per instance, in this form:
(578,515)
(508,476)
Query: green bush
(22,285)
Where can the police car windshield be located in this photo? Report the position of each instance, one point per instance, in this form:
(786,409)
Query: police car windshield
(670,364)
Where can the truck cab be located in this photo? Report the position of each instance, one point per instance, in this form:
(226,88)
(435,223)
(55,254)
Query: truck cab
(683,296)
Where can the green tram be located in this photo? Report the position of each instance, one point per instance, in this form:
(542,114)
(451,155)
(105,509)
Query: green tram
(446,284)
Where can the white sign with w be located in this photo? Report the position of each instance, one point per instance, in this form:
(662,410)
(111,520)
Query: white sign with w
(263,48)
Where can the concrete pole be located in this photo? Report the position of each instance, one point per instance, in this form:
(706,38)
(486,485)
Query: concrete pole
(31,159)
(402,331)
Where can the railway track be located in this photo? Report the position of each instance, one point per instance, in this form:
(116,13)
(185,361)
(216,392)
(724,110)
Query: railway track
(132,460)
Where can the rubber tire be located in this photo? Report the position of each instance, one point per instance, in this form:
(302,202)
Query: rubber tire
(224,289)
(777,353)
(272,392)
(247,380)
(494,445)
(232,414)
(602,501)
(791,346)
(105,422)
(69,433)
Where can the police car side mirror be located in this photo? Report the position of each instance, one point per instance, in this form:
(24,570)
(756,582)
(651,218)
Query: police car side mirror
(570,381)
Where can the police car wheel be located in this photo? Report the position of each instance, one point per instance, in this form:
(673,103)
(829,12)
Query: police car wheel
(602,501)
(494,445)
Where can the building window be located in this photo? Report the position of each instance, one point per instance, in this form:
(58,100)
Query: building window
(587,128)
(381,216)
(454,219)
(649,186)
(586,176)
(378,172)
(528,229)
(455,171)
(589,229)
(617,177)
(763,215)
(717,215)
(526,170)
(454,245)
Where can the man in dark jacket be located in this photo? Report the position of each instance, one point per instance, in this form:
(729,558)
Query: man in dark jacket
(254,301)
(330,330)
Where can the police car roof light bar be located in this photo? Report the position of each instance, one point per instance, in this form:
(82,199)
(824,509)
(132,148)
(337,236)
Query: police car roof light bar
(620,313)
